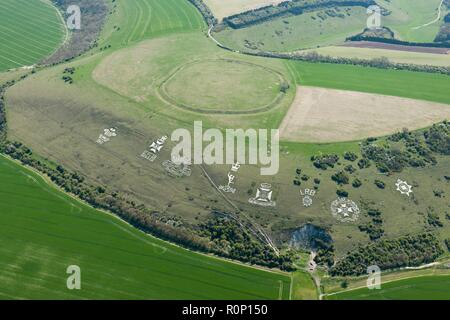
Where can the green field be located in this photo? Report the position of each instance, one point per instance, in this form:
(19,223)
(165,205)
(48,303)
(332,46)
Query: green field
(43,231)
(142,19)
(241,86)
(113,89)
(308,30)
(410,21)
(419,288)
(408,84)
(303,287)
(30,31)
(122,86)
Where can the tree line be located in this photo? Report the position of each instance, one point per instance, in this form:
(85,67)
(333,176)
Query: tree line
(205,11)
(287,8)
(379,63)
(362,37)
(93,16)
(218,236)
(407,251)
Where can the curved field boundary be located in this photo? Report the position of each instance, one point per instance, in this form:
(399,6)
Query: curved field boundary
(172,101)
(30,30)
(119,261)
(142,19)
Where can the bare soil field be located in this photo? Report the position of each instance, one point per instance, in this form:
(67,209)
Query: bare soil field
(327,115)
(398,47)
(222,9)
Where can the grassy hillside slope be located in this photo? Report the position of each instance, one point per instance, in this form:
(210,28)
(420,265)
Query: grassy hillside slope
(119,87)
(410,20)
(408,17)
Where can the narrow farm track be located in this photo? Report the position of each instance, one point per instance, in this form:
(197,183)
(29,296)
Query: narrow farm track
(433,21)
(121,261)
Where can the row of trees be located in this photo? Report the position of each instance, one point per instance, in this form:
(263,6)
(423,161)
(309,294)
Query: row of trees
(93,16)
(218,236)
(438,138)
(407,251)
(413,149)
(287,8)
(230,240)
(380,63)
(204,10)
(98,196)
(444,31)
(3,87)
(444,44)
(374,228)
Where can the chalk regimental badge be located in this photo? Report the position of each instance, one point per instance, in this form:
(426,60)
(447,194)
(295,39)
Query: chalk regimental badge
(228,188)
(106,135)
(403,187)
(345,210)
(263,196)
(307,195)
(154,149)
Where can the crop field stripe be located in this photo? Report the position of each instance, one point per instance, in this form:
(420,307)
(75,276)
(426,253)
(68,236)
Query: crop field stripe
(149,18)
(138,17)
(184,16)
(15,62)
(29,21)
(117,260)
(427,287)
(16,53)
(8,36)
(147,25)
(30,31)
(401,83)
(28,5)
(21,59)
(35,6)
(293,72)
(27,36)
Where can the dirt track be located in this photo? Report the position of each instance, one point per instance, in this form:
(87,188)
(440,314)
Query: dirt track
(327,115)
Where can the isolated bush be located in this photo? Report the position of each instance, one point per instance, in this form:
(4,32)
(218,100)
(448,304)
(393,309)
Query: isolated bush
(356,183)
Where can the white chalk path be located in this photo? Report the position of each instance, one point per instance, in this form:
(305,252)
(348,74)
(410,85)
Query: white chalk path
(435,20)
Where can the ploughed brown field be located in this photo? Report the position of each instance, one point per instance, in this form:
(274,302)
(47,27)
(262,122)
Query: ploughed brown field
(327,115)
